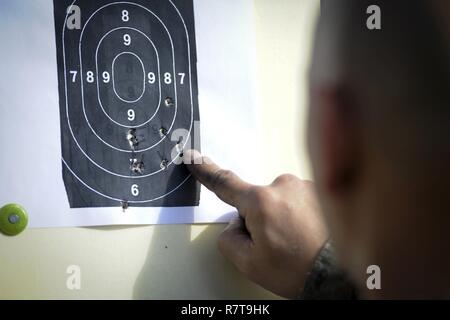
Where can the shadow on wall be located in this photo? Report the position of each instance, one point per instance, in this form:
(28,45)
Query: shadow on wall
(178,268)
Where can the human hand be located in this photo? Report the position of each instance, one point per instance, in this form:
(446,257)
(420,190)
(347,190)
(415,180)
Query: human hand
(280,230)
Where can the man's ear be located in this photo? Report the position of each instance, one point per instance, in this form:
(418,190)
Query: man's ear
(339,139)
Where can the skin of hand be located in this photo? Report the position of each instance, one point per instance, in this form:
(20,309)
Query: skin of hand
(279,231)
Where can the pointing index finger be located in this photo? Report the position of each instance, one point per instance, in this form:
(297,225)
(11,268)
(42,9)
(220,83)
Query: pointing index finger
(224,183)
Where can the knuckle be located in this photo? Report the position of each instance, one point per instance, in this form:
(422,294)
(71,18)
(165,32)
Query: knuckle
(221,241)
(220,177)
(309,185)
(246,266)
(206,160)
(244,263)
(284,178)
(224,240)
(262,199)
(259,195)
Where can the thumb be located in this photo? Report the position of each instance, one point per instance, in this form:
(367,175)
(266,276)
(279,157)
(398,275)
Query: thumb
(235,244)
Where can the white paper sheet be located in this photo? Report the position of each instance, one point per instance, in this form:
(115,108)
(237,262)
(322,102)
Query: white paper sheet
(30,159)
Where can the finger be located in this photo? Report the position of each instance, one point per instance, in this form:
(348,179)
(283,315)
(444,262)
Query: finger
(235,244)
(224,183)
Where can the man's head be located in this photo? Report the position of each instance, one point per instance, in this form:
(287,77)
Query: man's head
(379,140)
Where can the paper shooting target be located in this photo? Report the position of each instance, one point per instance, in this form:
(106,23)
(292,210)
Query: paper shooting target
(128,101)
